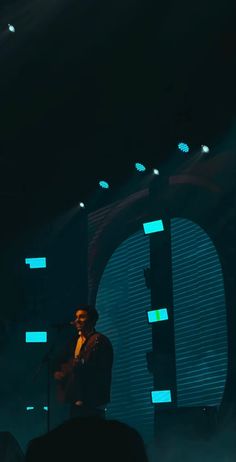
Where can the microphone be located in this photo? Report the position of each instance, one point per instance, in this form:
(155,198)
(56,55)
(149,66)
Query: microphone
(61,325)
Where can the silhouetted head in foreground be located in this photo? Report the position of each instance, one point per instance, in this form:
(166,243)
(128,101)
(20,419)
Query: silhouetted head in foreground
(88,439)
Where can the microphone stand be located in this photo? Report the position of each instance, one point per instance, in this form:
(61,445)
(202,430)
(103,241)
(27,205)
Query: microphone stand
(46,359)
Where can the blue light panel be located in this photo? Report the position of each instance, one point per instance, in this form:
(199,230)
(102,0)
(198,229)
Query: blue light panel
(45,408)
(29,408)
(161,396)
(153,227)
(36,262)
(36,337)
(157,315)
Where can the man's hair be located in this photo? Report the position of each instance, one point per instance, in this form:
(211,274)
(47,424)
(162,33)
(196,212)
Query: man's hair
(96,438)
(92,312)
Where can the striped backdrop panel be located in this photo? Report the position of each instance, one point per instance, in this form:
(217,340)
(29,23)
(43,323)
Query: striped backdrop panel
(122,301)
(199,316)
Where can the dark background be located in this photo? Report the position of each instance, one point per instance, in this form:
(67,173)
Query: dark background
(89,87)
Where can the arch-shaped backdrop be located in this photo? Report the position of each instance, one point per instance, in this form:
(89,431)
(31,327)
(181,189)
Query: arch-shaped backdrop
(122,223)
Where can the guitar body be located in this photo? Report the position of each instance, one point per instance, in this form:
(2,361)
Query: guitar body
(65,384)
(82,378)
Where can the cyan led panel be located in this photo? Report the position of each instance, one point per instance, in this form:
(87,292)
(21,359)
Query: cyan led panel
(29,408)
(45,408)
(36,337)
(161,396)
(157,315)
(153,227)
(36,262)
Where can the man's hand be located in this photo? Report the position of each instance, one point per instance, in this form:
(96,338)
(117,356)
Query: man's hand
(58,375)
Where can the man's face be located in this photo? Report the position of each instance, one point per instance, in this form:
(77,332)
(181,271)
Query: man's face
(81,320)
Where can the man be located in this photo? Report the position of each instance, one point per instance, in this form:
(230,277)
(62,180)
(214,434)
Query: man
(84,376)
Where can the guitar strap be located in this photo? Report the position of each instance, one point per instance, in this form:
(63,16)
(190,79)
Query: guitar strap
(89,346)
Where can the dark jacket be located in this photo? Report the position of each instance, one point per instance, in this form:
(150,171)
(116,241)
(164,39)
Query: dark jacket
(87,378)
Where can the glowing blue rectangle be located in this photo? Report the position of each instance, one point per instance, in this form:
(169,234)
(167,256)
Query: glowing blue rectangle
(157,315)
(153,227)
(45,408)
(161,396)
(29,408)
(36,262)
(36,337)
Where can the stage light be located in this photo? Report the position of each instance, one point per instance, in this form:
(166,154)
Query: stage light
(103,184)
(153,227)
(36,337)
(11,28)
(161,396)
(35,263)
(140,167)
(205,148)
(82,205)
(157,315)
(183,147)
(155,171)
